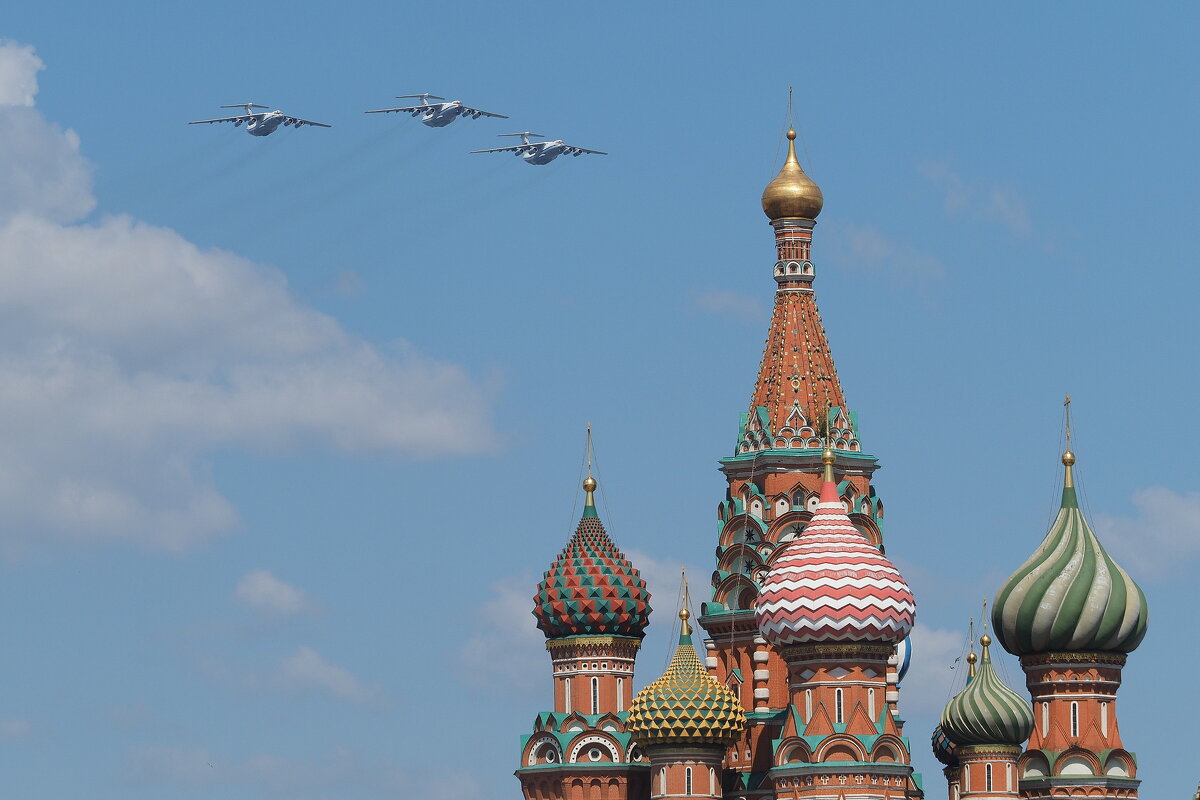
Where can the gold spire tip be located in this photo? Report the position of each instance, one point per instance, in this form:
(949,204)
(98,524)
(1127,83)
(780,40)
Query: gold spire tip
(791,134)
(985,640)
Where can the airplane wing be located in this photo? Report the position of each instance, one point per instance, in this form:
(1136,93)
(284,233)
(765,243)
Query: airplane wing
(406,108)
(298,122)
(476,112)
(516,148)
(238,118)
(571,150)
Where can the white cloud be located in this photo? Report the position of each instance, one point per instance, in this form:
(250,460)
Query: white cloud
(733,305)
(14,728)
(868,248)
(506,648)
(662,578)
(307,669)
(937,670)
(1161,537)
(1001,205)
(19,66)
(127,354)
(262,591)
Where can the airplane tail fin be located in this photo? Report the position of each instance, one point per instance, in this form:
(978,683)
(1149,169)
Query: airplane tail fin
(524,135)
(425,98)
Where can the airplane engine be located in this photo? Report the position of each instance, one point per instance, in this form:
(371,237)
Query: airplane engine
(476,115)
(237,123)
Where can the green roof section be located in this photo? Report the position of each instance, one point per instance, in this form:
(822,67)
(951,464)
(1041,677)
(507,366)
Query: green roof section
(1070,595)
(986,711)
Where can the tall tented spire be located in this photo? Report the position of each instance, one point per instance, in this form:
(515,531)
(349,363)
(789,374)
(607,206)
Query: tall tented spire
(1070,595)
(798,394)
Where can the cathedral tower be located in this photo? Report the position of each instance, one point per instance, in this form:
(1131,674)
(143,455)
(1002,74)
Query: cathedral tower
(1072,616)
(593,607)
(776,481)
(684,721)
(988,723)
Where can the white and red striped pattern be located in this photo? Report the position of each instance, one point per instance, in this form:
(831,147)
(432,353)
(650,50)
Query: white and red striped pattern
(832,585)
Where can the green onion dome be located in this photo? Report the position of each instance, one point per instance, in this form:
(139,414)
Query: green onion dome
(986,711)
(1070,595)
(686,706)
(591,589)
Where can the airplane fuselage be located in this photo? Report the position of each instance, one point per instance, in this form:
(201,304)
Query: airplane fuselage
(442,114)
(264,124)
(546,152)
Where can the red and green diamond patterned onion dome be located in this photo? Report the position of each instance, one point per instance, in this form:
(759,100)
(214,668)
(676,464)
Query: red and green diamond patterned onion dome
(986,711)
(592,589)
(1070,595)
(943,748)
(832,585)
(686,706)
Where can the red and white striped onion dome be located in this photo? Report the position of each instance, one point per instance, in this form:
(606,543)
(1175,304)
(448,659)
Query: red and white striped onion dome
(832,585)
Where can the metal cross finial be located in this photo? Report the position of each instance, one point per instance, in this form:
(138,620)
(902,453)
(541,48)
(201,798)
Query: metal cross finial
(1067,406)
(589,449)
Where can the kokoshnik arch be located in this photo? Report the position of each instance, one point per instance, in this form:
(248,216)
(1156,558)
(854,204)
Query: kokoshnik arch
(798,691)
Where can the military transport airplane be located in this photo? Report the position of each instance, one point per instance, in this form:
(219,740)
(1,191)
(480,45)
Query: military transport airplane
(437,115)
(539,152)
(260,123)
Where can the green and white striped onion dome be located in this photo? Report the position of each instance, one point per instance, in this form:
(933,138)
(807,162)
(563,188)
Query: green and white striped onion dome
(1070,595)
(986,711)
(686,706)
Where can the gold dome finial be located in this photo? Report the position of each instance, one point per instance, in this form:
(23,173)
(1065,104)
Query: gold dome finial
(589,483)
(1068,457)
(792,193)
(685,627)
(985,641)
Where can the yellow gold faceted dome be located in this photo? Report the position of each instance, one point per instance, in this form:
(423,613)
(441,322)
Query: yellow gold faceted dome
(686,706)
(792,193)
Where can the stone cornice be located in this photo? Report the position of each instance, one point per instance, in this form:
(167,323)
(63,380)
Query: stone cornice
(836,652)
(1073,658)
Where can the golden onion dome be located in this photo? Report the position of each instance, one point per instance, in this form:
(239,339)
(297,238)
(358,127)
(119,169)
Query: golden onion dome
(686,706)
(792,193)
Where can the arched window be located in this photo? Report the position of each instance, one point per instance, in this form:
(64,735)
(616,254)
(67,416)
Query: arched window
(808,705)
(712,781)
(1008,777)
(567,695)
(966,777)
(620,694)
(871,704)
(687,781)
(837,705)
(595,695)
(1104,719)
(1045,718)
(662,781)
(987,777)
(1074,718)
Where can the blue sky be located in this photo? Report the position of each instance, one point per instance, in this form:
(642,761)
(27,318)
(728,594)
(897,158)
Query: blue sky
(290,426)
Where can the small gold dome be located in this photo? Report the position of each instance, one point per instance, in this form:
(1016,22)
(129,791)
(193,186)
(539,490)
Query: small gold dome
(792,193)
(589,484)
(1068,459)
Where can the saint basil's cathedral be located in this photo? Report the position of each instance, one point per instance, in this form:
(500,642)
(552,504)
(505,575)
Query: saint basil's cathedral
(798,691)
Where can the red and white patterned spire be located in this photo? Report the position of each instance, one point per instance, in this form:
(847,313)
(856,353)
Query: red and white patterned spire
(832,585)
